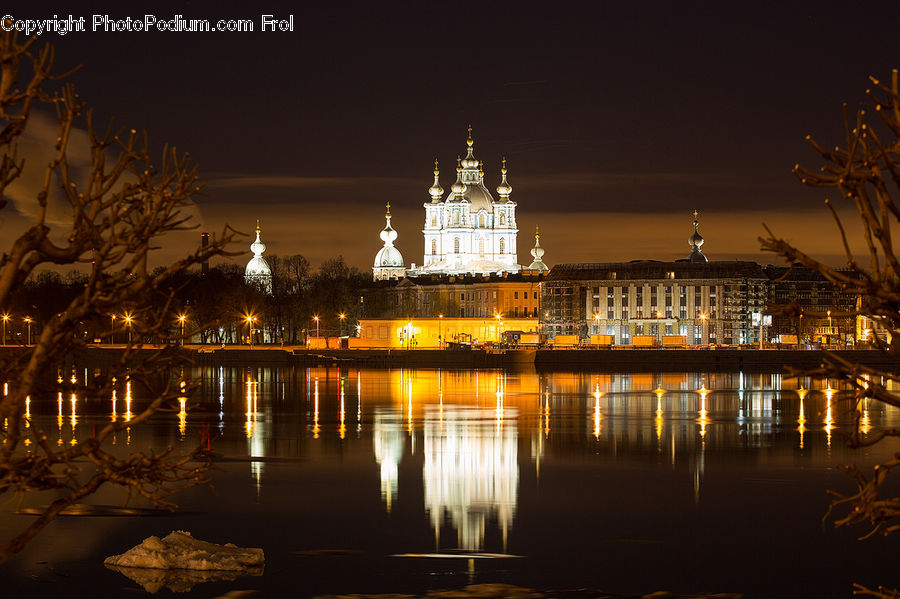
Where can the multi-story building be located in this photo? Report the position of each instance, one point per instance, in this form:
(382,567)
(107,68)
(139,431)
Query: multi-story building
(515,295)
(818,311)
(705,302)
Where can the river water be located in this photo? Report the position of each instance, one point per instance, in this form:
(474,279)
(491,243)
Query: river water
(626,483)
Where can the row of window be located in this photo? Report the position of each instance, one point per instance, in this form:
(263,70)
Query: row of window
(456,246)
(480,221)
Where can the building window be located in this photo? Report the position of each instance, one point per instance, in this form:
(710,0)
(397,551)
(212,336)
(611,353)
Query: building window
(434,247)
(515,295)
(456,245)
(433,219)
(482,220)
(502,245)
(502,218)
(481,247)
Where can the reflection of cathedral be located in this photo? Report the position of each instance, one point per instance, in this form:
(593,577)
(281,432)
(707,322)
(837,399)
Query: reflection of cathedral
(471,470)
(388,439)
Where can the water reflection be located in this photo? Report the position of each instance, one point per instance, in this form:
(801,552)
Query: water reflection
(473,428)
(388,440)
(478,460)
(471,471)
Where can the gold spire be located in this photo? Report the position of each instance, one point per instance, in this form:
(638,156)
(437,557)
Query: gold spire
(537,231)
(436,169)
(470,141)
(258,230)
(696,214)
(503,168)
(388,207)
(458,164)
(480,168)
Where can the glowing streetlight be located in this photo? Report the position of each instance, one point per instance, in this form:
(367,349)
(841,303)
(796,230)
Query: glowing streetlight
(499,327)
(28,322)
(703,334)
(316,318)
(440,330)
(342,316)
(5,320)
(128,320)
(597,321)
(112,328)
(181,319)
(250,318)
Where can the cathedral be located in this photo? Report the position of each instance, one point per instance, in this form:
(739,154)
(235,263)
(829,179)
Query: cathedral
(466,232)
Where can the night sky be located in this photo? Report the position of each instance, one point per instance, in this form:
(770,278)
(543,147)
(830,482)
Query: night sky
(617,119)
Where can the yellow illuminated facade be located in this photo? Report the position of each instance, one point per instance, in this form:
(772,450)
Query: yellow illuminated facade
(429,333)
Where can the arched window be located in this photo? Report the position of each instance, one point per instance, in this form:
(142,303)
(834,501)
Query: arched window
(502,220)
(482,220)
(456,217)
(433,247)
(433,219)
(502,244)
(456,245)
(481,247)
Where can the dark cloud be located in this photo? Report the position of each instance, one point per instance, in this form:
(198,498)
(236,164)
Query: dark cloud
(618,119)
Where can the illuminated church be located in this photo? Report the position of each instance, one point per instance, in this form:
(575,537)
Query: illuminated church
(466,231)
(258,272)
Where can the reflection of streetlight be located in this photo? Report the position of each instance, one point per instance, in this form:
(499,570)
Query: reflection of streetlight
(440,330)
(5,319)
(28,322)
(316,318)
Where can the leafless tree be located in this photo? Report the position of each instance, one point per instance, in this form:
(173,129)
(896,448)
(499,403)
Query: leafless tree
(865,173)
(119,207)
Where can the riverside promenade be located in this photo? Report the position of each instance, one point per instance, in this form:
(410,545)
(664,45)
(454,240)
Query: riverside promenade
(605,359)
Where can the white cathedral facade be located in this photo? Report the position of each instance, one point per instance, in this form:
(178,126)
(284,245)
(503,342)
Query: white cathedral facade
(468,231)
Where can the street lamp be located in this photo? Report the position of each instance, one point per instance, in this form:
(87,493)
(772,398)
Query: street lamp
(112,329)
(316,318)
(5,319)
(181,318)
(342,316)
(249,320)
(499,328)
(440,330)
(128,324)
(597,322)
(28,322)
(703,335)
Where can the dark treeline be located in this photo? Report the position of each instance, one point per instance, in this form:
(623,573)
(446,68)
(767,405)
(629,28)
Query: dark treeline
(216,306)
